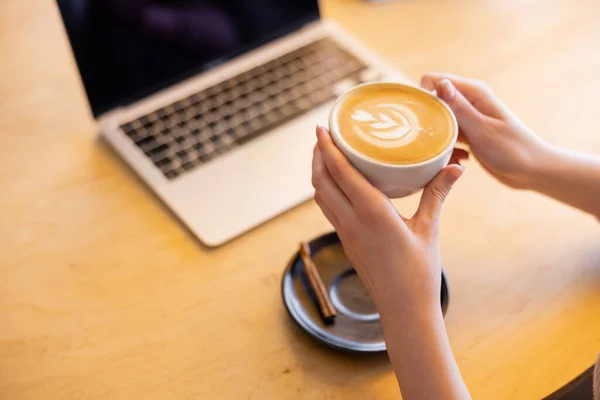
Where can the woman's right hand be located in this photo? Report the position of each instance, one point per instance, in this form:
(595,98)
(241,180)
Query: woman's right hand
(503,145)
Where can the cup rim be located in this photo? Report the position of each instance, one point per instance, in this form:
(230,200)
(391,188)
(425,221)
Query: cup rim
(347,147)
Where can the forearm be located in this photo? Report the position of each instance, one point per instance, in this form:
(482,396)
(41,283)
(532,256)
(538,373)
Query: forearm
(570,177)
(421,356)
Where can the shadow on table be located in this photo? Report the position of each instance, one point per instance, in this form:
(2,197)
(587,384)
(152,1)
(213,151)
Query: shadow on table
(334,367)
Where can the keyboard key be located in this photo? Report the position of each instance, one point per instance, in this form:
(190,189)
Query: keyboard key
(147,142)
(190,165)
(156,149)
(172,174)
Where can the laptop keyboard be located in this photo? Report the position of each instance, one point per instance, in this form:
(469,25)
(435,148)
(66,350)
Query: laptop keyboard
(195,130)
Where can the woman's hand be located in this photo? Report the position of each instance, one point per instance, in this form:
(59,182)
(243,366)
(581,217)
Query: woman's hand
(391,254)
(398,261)
(498,139)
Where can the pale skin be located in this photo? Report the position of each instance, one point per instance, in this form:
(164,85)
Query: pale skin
(398,259)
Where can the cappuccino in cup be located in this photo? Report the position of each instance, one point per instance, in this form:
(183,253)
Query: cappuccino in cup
(397,135)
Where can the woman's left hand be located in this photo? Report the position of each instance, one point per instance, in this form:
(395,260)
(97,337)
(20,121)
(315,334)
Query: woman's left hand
(395,257)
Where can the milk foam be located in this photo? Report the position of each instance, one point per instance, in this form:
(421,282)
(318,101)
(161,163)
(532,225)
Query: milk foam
(393,123)
(386,125)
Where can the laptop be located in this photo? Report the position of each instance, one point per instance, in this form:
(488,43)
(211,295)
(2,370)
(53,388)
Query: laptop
(214,103)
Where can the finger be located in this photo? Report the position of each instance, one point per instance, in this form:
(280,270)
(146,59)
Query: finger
(476,92)
(458,155)
(436,192)
(470,88)
(469,119)
(327,189)
(428,82)
(331,217)
(354,185)
(461,137)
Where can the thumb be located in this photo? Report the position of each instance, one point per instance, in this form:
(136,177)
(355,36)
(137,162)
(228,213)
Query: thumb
(467,116)
(436,192)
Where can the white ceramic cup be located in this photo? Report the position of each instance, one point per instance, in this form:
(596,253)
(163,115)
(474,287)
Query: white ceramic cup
(393,180)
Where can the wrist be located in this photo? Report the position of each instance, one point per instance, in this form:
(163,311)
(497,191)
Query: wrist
(393,297)
(413,324)
(537,169)
(422,329)
(422,313)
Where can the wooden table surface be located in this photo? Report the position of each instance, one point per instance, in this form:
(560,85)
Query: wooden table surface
(103,294)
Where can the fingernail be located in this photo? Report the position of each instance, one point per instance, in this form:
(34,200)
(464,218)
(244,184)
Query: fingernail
(446,90)
(319,129)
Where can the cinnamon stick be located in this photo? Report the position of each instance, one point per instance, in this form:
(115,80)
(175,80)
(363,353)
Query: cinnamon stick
(324,302)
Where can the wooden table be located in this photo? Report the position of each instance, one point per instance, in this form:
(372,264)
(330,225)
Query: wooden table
(103,294)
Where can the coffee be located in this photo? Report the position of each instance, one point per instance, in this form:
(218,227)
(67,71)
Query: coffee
(393,123)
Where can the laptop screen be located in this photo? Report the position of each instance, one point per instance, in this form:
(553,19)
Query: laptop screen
(128,49)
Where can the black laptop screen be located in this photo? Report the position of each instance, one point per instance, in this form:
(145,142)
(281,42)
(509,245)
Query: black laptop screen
(127,49)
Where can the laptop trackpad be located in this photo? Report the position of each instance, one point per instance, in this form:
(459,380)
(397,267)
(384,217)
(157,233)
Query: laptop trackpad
(252,183)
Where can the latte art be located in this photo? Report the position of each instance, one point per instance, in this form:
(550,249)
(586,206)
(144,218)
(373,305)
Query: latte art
(387,125)
(394,124)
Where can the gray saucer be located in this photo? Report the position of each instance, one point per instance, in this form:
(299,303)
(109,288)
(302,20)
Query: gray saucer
(357,326)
